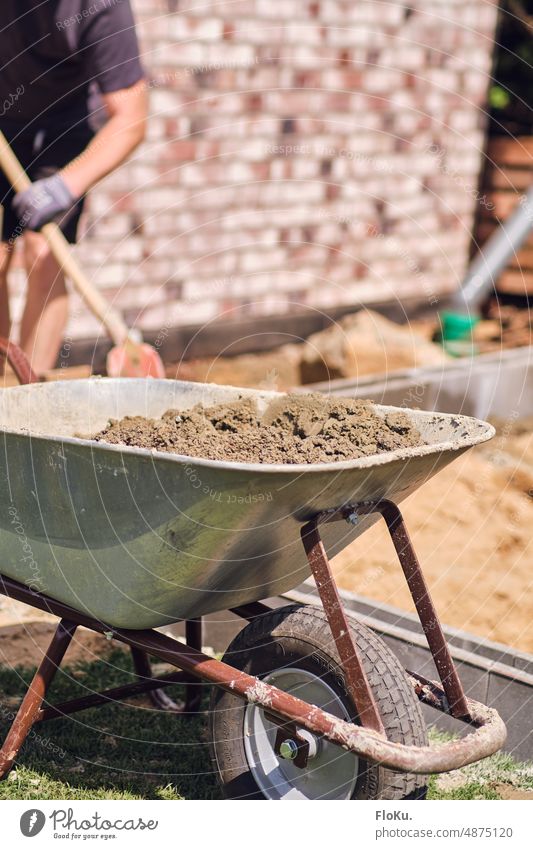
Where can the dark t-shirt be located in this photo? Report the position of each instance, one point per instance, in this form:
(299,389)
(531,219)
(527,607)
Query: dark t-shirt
(54,56)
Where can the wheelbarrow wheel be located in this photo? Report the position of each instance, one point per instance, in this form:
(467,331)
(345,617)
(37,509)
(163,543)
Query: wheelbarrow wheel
(292,648)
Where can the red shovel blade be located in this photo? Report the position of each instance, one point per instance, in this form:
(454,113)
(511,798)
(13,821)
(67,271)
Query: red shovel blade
(132,360)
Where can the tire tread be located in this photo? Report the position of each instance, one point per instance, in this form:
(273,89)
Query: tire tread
(401,716)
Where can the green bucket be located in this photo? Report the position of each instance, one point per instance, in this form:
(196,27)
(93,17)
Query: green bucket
(456,333)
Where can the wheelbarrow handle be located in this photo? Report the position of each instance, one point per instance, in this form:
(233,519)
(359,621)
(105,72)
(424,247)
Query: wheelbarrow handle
(18,361)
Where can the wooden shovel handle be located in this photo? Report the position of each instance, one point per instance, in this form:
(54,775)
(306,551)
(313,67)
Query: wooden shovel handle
(60,248)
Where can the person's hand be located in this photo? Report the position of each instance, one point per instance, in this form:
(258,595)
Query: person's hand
(44,201)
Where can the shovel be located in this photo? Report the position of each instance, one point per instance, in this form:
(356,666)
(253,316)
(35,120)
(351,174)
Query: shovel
(128,357)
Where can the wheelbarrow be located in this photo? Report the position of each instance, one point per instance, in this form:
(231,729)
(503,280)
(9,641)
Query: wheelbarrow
(307,702)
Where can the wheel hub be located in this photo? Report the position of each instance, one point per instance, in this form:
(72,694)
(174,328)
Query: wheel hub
(288,749)
(289,762)
(297,745)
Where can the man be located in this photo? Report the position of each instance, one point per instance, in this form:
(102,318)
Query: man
(73,106)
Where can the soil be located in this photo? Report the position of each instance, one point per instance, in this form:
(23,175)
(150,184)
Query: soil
(26,644)
(505,791)
(292,429)
(471,527)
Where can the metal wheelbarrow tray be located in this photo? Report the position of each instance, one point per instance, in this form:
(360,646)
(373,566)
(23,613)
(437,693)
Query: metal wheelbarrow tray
(123,540)
(141,539)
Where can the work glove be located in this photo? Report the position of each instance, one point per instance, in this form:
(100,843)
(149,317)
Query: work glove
(44,201)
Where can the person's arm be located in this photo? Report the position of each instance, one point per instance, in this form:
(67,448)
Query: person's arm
(125,129)
(109,47)
(113,143)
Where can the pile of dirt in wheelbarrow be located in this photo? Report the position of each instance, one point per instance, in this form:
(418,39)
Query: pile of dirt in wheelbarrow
(292,429)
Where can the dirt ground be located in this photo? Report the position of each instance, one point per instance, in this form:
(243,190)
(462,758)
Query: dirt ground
(471,527)
(25,634)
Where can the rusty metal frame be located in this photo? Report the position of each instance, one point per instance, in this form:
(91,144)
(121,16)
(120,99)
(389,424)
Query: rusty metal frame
(488,736)
(356,678)
(158,697)
(329,596)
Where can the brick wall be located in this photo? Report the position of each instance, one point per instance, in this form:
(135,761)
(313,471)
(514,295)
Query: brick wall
(300,155)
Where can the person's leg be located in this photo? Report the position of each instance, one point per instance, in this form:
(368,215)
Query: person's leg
(6,252)
(46,310)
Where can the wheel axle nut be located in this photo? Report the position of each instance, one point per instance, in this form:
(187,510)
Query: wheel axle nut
(288,750)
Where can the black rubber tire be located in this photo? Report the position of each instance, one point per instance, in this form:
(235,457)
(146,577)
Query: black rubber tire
(300,636)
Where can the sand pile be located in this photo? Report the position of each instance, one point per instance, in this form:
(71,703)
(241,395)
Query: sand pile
(365,343)
(293,429)
(471,527)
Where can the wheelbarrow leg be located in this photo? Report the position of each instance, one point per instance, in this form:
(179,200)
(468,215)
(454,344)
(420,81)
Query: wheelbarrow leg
(425,608)
(351,661)
(193,690)
(35,695)
(457,702)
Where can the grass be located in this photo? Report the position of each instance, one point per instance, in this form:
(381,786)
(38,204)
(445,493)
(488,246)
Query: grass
(130,751)
(126,751)
(492,778)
